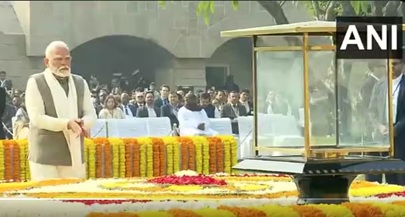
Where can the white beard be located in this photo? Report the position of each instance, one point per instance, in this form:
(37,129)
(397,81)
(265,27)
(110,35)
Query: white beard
(61,72)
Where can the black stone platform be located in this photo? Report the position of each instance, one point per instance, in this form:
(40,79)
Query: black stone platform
(322,181)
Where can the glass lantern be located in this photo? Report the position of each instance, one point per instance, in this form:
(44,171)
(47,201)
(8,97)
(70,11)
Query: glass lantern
(311,119)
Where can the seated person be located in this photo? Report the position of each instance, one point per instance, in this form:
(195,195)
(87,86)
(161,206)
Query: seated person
(193,119)
(205,103)
(232,110)
(171,110)
(21,125)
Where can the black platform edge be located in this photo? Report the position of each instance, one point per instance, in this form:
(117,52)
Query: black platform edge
(327,168)
(325,182)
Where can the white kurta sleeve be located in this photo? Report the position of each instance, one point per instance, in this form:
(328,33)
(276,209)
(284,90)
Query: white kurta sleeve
(187,119)
(36,110)
(89,113)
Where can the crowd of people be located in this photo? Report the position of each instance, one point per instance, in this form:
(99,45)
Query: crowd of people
(118,102)
(141,102)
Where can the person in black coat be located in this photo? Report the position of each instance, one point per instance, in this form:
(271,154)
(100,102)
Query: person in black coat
(170,110)
(3,96)
(205,103)
(379,119)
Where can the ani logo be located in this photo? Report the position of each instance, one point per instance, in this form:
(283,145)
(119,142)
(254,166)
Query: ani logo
(369,37)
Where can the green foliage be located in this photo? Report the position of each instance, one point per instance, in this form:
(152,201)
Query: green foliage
(207,8)
(162,4)
(361,8)
(204,8)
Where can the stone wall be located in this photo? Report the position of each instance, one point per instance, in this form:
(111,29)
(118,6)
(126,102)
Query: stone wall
(175,28)
(14,61)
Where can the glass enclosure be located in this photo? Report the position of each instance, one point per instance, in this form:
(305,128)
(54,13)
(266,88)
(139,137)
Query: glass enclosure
(362,96)
(348,102)
(279,99)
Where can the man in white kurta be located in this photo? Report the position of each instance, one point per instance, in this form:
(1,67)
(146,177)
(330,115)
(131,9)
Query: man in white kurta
(193,120)
(61,113)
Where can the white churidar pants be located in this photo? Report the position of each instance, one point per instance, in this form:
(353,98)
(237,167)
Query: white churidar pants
(44,172)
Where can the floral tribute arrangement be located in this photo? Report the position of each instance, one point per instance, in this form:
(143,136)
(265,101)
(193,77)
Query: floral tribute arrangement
(188,193)
(134,157)
(187,180)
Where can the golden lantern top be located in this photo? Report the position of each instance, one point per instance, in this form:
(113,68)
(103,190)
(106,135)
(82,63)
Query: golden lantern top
(311,27)
(309,105)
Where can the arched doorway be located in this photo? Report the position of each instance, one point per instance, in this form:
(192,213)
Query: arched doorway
(120,56)
(234,57)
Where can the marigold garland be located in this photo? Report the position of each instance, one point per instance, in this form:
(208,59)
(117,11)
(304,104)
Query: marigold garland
(233,148)
(220,157)
(278,211)
(115,147)
(212,145)
(23,144)
(142,157)
(133,157)
(198,145)
(182,213)
(149,158)
(16,160)
(121,160)
(169,154)
(191,154)
(8,160)
(344,210)
(227,156)
(374,190)
(205,157)
(176,156)
(146,157)
(2,161)
(243,211)
(86,156)
(308,211)
(331,210)
(162,157)
(99,143)
(107,159)
(363,210)
(159,164)
(390,210)
(184,153)
(91,161)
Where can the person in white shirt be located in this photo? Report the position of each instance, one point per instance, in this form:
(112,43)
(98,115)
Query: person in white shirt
(193,119)
(111,110)
(217,110)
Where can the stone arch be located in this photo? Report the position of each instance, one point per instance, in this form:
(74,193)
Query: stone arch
(236,54)
(109,55)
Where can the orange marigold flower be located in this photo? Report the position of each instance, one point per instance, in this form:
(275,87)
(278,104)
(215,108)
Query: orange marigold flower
(364,210)
(401,203)
(308,211)
(183,213)
(243,211)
